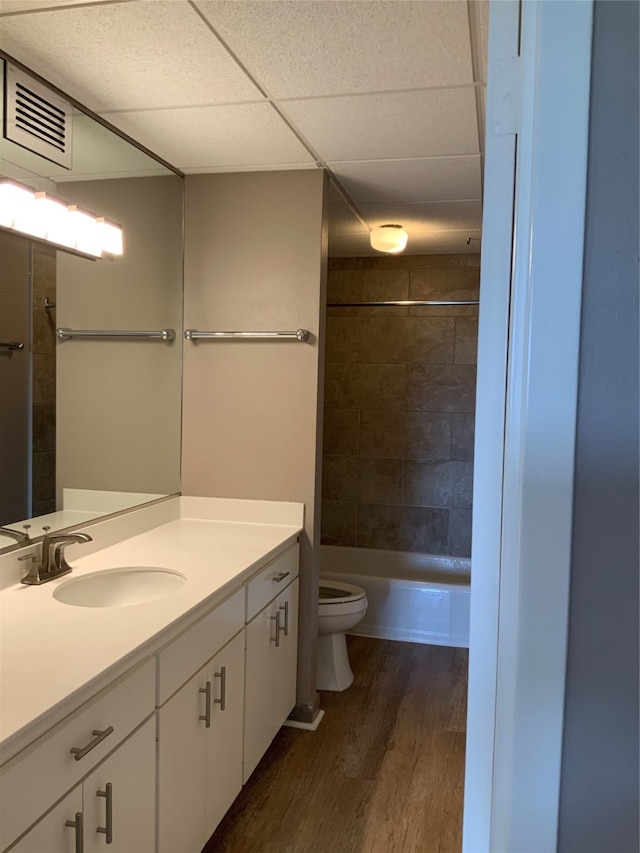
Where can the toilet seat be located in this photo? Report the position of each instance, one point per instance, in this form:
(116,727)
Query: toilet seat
(337,592)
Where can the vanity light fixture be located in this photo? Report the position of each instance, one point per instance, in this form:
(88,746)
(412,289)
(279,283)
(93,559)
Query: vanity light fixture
(389,238)
(40,215)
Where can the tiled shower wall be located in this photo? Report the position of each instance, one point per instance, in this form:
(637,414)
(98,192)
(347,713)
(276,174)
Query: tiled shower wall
(399,405)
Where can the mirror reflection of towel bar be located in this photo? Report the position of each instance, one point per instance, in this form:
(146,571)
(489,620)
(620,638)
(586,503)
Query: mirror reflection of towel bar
(299,335)
(11,345)
(161,335)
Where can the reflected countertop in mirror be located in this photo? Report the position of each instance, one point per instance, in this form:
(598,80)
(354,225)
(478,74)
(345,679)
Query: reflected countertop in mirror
(91,425)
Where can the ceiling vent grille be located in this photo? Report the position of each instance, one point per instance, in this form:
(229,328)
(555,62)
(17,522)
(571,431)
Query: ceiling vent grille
(36,119)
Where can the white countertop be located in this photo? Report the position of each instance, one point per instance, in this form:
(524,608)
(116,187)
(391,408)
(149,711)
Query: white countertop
(51,652)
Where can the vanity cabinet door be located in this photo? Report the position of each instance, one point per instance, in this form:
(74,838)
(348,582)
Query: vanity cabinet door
(120,796)
(52,833)
(224,737)
(270,682)
(182,769)
(200,751)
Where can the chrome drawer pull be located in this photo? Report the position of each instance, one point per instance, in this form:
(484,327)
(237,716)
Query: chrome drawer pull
(276,619)
(77,825)
(207,714)
(222,675)
(280,576)
(80,751)
(285,607)
(108,828)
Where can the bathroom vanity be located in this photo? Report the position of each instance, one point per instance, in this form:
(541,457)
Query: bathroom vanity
(131,727)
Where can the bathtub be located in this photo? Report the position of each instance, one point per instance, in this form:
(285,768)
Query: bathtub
(418,598)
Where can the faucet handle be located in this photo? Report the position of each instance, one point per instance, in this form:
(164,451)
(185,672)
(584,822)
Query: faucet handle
(33,557)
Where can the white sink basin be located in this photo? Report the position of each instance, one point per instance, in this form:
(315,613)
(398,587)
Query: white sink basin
(119,587)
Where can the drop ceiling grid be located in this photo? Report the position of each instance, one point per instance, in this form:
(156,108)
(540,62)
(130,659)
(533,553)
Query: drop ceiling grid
(347,105)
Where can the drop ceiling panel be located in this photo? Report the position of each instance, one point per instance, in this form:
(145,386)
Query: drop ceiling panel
(216,138)
(325,48)
(433,179)
(124,56)
(425,217)
(8,7)
(381,127)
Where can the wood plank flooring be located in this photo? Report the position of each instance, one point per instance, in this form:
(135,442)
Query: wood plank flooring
(384,772)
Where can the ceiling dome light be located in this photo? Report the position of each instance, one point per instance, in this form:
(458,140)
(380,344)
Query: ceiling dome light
(389,238)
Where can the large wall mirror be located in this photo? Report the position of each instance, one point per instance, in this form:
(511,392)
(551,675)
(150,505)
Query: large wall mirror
(89,424)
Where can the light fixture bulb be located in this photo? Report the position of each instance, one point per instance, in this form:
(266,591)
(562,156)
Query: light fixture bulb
(389,238)
(49,216)
(85,227)
(16,201)
(40,215)
(110,236)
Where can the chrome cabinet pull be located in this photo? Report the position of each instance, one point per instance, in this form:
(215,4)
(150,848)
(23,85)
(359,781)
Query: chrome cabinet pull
(276,619)
(77,825)
(222,675)
(207,714)
(108,828)
(280,576)
(80,751)
(285,607)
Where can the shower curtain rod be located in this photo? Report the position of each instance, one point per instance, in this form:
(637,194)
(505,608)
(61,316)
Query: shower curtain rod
(402,303)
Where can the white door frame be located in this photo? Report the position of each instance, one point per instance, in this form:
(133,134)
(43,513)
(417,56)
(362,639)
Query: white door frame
(530,299)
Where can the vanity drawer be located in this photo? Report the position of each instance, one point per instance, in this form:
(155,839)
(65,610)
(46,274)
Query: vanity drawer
(198,644)
(271,580)
(34,779)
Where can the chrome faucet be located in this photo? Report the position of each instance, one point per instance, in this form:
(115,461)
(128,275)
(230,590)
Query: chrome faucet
(18,535)
(51,563)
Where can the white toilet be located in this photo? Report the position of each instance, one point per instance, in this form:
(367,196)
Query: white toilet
(341,607)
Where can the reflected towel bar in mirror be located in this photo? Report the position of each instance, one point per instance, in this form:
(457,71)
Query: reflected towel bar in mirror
(161,335)
(299,335)
(11,345)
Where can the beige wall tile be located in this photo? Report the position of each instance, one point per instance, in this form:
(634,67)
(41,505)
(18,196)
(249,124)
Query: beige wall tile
(462,437)
(345,264)
(443,311)
(383,434)
(340,433)
(414,262)
(340,478)
(428,436)
(410,340)
(44,428)
(44,379)
(466,340)
(380,480)
(460,532)
(344,340)
(441,388)
(365,386)
(338,525)
(444,484)
(44,483)
(42,508)
(402,528)
(459,283)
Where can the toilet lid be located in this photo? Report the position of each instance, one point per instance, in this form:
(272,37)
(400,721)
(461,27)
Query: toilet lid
(337,592)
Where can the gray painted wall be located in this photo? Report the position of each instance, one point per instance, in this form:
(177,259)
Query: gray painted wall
(599,789)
